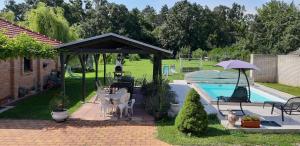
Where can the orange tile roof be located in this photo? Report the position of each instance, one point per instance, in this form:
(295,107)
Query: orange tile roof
(11,30)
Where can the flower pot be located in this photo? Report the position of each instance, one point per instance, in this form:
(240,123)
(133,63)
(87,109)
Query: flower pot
(175,108)
(60,116)
(250,124)
(232,118)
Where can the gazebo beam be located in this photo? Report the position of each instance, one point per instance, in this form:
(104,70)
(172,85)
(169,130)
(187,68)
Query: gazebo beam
(117,50)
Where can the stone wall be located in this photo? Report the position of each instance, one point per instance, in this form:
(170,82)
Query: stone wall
(268,68)
(284,69)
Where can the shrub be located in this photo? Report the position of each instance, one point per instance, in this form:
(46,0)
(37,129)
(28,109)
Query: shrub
(192,118)
(157,97)
(199,53)
(134,57)
(220,54)
(59,103)
(184,52)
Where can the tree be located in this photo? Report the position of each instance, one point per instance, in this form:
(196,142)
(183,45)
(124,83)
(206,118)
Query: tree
(192,118)
(50,21)
(51,3)
(229,25)
(9,15)
(199,53)
(275,29)
(186,25)
(149,16)
(74,11)
(18,9)
(162,16)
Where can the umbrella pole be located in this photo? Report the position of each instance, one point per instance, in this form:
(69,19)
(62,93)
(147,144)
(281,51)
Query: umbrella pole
(238,80)
(247,84)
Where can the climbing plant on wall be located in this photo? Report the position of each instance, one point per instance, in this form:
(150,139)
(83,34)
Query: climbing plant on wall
(25,46)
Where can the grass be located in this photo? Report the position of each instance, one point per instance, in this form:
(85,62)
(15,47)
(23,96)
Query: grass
(284,88)
(37,106)
(217,135)
(144,67)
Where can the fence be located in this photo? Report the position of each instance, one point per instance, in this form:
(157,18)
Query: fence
(284,69)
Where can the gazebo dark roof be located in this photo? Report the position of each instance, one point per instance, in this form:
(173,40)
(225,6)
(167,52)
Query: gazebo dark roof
(103,44)
(111,43)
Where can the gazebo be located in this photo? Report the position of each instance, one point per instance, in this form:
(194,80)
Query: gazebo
(107,43)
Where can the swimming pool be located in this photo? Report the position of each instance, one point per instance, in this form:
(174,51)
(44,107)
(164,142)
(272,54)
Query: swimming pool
(215,90)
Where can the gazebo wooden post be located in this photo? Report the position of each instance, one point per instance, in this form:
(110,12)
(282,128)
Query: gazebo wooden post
(157,75)
(104,61)
(62,76)
(96,59)
(154,71)
(159,65)
(83,60)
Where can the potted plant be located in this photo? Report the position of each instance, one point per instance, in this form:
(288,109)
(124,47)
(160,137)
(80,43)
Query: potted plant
(250,122)
(58,105)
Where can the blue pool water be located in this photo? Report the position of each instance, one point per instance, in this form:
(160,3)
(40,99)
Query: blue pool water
(215,90)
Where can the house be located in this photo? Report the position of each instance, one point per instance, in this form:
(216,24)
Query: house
(23,73)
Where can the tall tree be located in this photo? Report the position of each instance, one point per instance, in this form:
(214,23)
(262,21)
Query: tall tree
(276,29)
(52,3)
(19,10)
(183,27)
(9,15)
(50,21)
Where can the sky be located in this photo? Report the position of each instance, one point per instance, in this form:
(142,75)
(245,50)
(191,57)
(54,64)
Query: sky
(250,5)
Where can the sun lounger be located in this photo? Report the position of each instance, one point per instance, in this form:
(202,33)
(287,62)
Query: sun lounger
(239,95)
(291,106)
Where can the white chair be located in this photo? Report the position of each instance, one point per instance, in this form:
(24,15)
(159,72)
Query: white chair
(101,93)
(130,106)
(105,106)
(124,104)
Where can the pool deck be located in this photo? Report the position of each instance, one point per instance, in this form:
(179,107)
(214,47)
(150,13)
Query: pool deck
(290,125)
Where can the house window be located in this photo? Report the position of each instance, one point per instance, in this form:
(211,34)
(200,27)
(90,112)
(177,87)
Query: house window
(27,65)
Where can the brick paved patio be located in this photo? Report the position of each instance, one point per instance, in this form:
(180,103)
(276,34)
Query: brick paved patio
(76,132)
(85,128)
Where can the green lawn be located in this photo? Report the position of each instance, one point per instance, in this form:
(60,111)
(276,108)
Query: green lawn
(37,106)
(217,135)
(284,88)
(144,67)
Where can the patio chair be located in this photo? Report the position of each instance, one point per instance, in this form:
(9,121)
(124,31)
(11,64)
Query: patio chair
(291,106)
(239,95)
(124,104)
(101,93)
(165,70)
(172,69)
(71,74)
(130,106)
(105,106)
